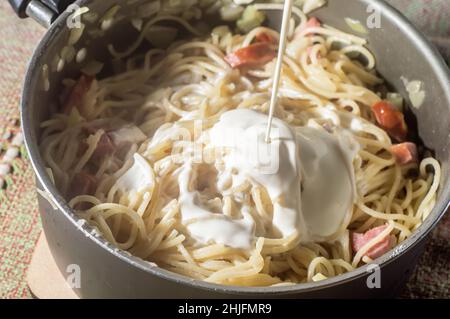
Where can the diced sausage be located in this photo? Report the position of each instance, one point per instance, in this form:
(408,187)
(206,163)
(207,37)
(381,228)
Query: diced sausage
(76,96)
(265,38)
(405,153)
(311,23)
(254,54)
(391,120)
(104,148)
(379,249)
(112,141)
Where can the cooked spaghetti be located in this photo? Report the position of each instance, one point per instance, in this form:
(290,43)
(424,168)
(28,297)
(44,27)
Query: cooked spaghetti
(129,152)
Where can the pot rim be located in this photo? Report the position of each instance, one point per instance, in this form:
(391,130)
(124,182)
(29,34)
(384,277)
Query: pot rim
(404,26)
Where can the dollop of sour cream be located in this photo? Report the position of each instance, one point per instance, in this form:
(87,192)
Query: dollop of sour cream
(204,225)
(307,173)
(275,165)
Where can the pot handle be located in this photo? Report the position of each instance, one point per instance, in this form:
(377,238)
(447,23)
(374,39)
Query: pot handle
(19,7)
(43,11)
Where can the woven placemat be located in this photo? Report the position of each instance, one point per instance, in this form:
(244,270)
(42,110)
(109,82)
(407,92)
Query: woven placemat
(19,219)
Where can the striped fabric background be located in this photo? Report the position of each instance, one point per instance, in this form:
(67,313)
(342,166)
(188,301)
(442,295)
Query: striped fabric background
(19,221)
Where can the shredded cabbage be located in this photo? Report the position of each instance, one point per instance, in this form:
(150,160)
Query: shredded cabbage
(396,100)
(92,68)
(251,18)
(221,31)
(231,12)
(74,117)
(356,26)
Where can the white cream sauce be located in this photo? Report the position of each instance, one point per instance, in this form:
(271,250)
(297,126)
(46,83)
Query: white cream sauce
(206,226)
(139,177)
(274,166)
(307,173)
(328,181)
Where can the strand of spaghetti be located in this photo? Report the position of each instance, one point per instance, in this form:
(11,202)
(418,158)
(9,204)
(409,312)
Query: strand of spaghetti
(317,262)
(421,211)
(137,43)
(340,263)
(293,265)
(394,189)
(383,216)
(252,267)
(260,30)
(363,51)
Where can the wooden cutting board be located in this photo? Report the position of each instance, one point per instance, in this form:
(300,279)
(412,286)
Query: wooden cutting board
(44,278)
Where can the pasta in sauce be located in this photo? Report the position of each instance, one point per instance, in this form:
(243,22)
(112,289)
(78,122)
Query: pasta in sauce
(128,151)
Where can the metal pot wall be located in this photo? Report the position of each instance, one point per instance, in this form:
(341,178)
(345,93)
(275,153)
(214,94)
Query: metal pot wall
(109,273)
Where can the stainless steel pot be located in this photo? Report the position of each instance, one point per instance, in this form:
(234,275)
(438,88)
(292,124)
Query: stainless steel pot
(109,273)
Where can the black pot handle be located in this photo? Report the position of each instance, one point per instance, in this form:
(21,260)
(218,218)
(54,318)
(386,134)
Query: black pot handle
(19,7)
(44,11)
(58,6)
